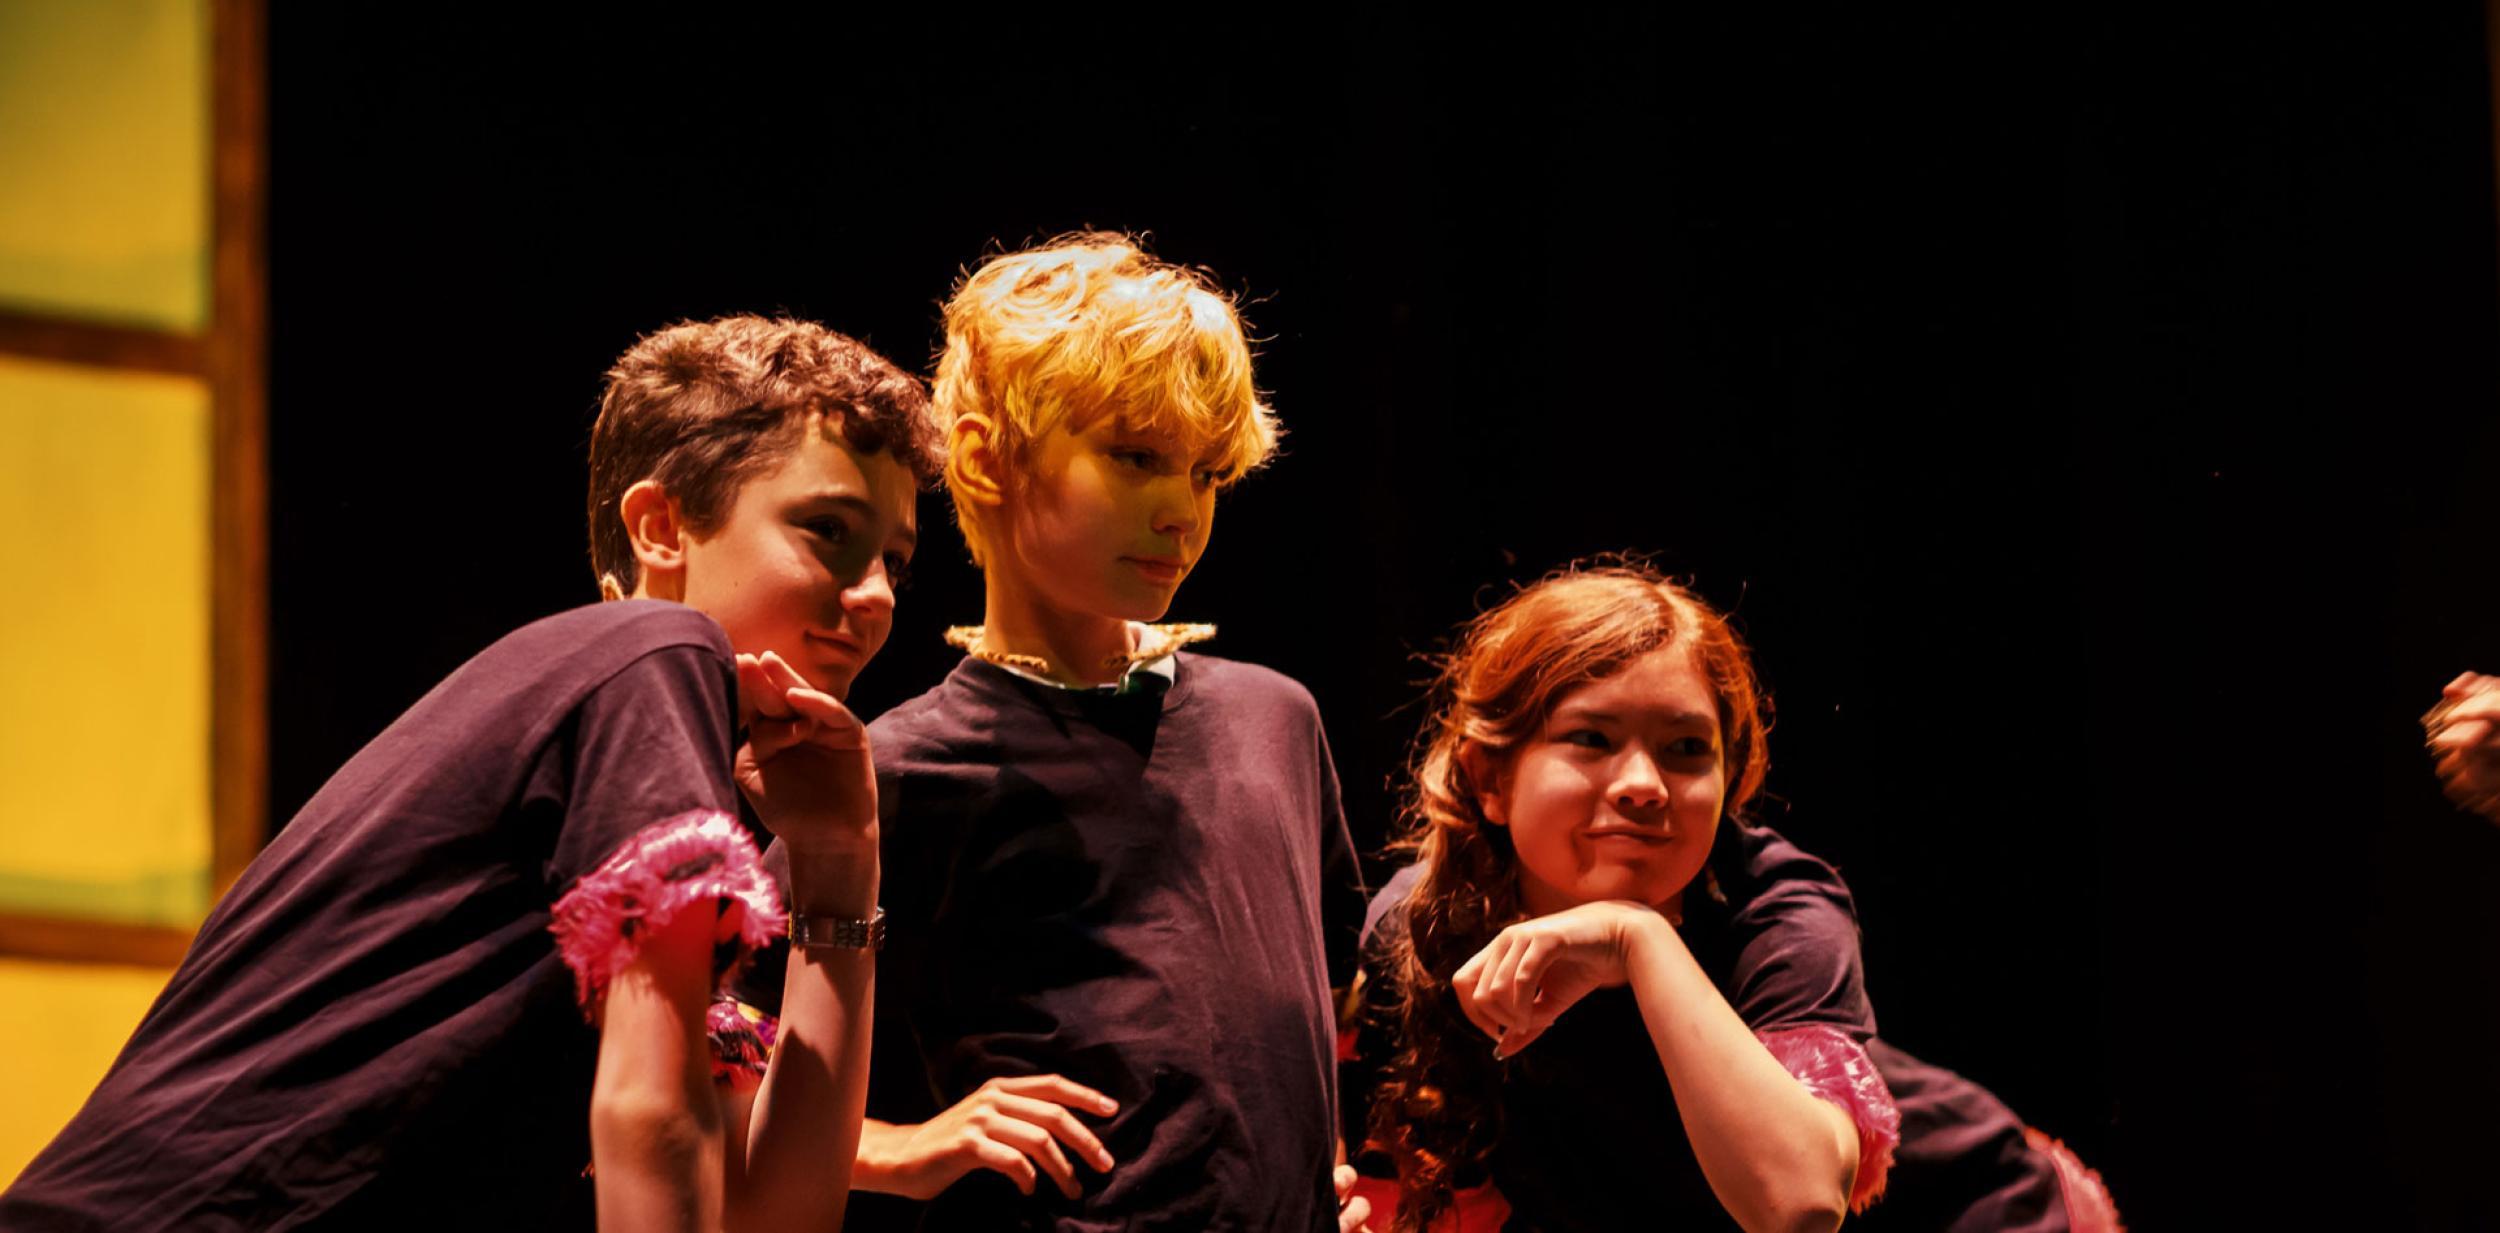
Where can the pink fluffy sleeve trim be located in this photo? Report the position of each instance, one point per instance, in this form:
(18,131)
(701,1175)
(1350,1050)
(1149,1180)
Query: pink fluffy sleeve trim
(701,856)
(2089,1209)
(1837,1069)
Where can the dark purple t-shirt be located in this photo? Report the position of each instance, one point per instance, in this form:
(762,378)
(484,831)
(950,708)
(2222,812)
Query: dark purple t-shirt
(1590,1139)
(1149,893)
(373,1028)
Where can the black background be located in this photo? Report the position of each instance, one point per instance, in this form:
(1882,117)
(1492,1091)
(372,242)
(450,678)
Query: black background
(2088,415)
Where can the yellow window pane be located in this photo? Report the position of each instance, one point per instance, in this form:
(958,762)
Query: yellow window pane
(104,138)
(104,644)
(60,1026)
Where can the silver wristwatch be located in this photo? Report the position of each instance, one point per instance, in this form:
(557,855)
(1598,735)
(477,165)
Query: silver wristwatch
(838,932)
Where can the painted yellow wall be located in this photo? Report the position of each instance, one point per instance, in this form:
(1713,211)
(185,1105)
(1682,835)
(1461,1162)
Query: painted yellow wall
(104,480)
(104,140)
(104,755)
(60,1026)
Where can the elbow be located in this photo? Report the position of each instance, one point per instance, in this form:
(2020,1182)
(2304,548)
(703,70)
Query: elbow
(1805,1213)
(1799,1204)
(655,1129)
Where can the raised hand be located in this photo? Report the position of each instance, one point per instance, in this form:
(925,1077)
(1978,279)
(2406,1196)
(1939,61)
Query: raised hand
(805,766)
(1022,1127)
(2464,738)
(1532,972)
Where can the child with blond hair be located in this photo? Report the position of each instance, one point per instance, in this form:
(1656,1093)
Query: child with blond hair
(1117,874)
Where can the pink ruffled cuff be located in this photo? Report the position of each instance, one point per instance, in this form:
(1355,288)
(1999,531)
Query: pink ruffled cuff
(701,856)
(2089,1209)
(1837,1069)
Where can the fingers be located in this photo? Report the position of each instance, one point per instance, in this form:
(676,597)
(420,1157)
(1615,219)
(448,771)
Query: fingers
(1066,1091)
(1350,1218)
(1037,1145)
(2462,736)
(1526,969)
(1521,995)
(1060,1125)
(1343,1179)
(1472,984)
(828,722)
(2481,706)
(1000,1158)
(757,696)
(1513,1043)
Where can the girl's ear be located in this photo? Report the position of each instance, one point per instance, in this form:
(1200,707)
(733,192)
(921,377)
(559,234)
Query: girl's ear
(1484,778)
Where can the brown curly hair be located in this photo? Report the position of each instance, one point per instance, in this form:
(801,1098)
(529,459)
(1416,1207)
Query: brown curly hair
(704,406)
(1438,1109)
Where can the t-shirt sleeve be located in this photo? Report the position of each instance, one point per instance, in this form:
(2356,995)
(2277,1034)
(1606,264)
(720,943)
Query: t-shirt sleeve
(650,823)
(1799,964)
(1371,1035)
(1800,985)
(649,743)
(1341,872)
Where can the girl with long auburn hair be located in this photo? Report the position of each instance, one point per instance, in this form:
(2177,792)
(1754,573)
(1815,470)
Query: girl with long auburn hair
(1605,993)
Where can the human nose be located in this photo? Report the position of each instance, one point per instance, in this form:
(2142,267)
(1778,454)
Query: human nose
(871,594)
(1177,507)
(1638,787)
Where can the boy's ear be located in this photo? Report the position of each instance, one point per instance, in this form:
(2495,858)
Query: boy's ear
(1485,780)
(973,468)
(658,537)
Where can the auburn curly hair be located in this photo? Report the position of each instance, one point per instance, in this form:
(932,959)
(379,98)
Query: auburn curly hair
(1438,1109)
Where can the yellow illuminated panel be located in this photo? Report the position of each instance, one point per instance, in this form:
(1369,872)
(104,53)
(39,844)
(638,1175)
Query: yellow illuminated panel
(104,139)
(104,644)
(60,1026)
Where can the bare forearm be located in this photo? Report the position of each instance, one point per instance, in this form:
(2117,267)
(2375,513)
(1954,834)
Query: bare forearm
(872,1169)
(655,1131)
(804,1130)
(1777,1156)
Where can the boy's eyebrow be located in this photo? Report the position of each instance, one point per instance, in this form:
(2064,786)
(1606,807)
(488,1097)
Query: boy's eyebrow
(862,506)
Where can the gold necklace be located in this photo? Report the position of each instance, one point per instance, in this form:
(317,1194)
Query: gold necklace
(1156,642)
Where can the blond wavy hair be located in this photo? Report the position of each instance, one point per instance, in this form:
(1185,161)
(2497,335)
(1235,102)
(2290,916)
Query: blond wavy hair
(1087,325)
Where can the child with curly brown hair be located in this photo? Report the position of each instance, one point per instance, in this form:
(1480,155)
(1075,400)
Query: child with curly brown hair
(1601,999)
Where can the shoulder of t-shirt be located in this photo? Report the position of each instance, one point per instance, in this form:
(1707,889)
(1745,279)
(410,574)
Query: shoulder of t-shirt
(616,633)
(1784,877)
(927,722)
(1216,681)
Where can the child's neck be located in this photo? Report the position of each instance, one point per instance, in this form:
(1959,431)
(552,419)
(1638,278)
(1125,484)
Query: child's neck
(1082,648)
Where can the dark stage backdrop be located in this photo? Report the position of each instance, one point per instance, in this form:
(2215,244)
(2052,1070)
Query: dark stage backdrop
(2089,417)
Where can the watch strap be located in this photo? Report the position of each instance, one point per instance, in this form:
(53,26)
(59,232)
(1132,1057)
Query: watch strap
(827,932)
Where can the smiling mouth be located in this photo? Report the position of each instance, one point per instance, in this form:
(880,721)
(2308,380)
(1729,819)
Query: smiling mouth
(840,642)
(1647,839)
(1159,571)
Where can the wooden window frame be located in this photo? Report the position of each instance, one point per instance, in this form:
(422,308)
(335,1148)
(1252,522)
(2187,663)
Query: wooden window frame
(231,356)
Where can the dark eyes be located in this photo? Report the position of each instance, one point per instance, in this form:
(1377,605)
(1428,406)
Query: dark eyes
(897,570)
(1591,738)
(833,531)
(1152,461)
